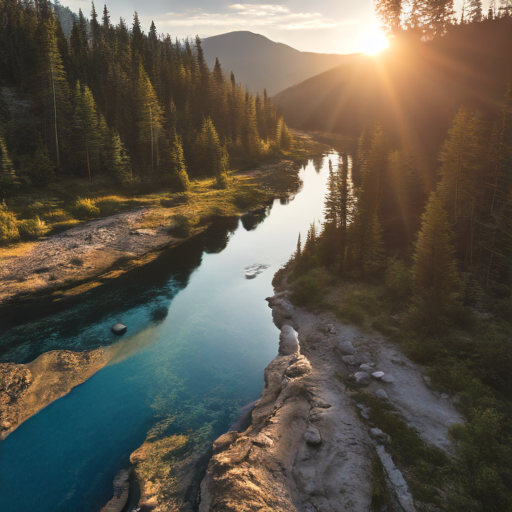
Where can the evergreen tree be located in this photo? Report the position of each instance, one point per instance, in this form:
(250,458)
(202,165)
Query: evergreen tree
(42,170)
(119,162)
(8,178)
(214,155)
(178,164)
(332,198)
(86,122)
(435,266)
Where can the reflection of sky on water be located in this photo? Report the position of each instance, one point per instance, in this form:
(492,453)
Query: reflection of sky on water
(199,336)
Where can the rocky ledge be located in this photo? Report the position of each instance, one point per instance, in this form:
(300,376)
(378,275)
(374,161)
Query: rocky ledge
(309,447)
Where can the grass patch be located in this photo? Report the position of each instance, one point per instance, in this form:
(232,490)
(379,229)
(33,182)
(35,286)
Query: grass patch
(427,469)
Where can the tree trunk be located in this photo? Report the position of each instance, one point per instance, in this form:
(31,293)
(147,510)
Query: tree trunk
(55,115)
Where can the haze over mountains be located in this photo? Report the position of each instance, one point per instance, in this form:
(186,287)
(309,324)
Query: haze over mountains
(414,87)
(261,63)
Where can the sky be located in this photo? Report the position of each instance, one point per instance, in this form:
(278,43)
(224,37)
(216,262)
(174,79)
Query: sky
(324,26)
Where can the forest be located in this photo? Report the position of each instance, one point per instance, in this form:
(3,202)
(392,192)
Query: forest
(140,110)
(429,262)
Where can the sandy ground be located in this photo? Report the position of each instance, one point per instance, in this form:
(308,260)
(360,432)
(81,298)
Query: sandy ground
(80,254)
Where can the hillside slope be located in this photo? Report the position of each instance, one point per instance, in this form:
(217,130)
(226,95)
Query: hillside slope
(261,63)
(415,87)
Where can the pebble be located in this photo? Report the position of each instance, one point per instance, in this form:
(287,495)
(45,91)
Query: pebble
(388,379)
(378,375)
(347,348)
(366,367)
(363,378)
(380,393)
(349,360)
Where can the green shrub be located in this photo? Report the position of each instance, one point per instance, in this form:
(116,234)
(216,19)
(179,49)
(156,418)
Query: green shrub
(306,291)
(8,225)
(181,226)
(32,228)
(398,281)
(85,208)
(248,198)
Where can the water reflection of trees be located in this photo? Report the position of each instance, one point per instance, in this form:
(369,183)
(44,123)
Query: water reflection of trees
(147,290)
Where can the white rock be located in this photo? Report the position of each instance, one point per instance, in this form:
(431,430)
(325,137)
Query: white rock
(378,375)
(389,379)
(119,328)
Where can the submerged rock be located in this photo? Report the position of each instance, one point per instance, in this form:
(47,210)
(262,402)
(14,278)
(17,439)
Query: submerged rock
(119,329)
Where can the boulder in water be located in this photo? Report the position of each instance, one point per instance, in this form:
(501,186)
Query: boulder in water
(119,329)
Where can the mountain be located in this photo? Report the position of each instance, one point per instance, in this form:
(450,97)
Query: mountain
(261,63)
(413,86)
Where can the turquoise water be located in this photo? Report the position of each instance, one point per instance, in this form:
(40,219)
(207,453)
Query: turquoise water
(199,336)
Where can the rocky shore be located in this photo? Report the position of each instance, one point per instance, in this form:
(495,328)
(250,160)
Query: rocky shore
(310,446)
(25,389)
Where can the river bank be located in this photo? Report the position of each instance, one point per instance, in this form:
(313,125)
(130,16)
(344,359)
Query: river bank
(315,443)
(83,257)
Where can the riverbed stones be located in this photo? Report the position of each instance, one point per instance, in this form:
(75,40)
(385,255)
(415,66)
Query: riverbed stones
(366,367)
(288,341)
(378,375)
(380,393)
(388,378)
(119,329)
(363,378)
(349,360)
(312,436)
(346,348)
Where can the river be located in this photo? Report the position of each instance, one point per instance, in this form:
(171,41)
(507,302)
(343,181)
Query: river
(199,335)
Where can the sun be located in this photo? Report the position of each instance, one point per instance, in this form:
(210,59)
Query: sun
(374,41)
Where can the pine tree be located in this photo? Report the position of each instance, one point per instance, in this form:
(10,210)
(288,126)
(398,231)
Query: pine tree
(119,162)
(178,164)
(86,122)
(461,171)
(214,157)
(53,93)
(8,178)
(435,266)
(42,170)
(332,198)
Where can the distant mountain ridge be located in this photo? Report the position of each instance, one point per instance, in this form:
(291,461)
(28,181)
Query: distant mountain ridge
(261,63)
(415,89)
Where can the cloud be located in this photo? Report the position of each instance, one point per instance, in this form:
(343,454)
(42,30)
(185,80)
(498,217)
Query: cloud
(251,16)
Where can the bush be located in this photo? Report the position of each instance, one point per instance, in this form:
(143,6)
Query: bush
(8,225)
(398,281)
(181,226)
(306,291)
(32,228)
(85,208)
